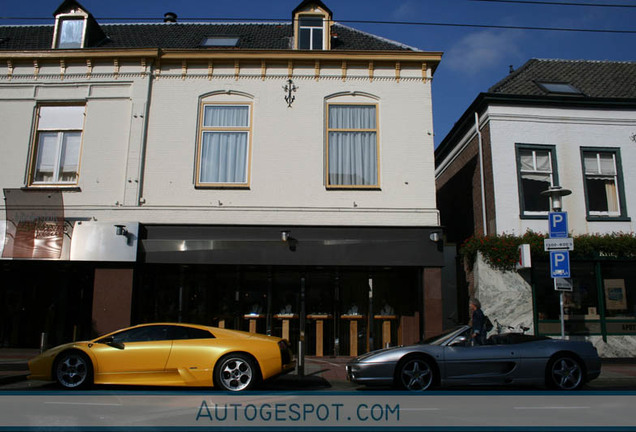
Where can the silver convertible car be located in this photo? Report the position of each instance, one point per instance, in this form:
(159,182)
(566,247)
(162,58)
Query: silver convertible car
(506,359)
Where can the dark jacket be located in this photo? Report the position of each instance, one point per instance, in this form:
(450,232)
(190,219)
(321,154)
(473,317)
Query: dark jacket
(478,327)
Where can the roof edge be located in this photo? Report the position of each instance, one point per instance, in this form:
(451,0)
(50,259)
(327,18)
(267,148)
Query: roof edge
(483,100)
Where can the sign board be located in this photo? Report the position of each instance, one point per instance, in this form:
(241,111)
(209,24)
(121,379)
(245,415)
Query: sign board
(525,257)
(558,224)
(558,244)
(560,264)
(563,284)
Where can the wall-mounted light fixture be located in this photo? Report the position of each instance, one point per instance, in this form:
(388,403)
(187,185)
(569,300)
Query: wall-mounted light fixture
(286,237)
(290,88)
(435,237)
(121,230)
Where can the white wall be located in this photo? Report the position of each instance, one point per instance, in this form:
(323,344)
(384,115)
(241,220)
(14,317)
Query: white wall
(288,145)
(568,130)
(288,153)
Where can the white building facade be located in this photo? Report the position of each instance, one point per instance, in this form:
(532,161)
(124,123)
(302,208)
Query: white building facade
(241,172)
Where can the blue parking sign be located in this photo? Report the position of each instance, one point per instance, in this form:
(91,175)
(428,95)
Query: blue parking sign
(560,264)
(558,224)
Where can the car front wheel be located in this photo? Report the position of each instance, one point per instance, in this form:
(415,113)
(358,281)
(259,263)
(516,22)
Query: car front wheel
(235,372)
(565,373)
(73,370)
(415,374)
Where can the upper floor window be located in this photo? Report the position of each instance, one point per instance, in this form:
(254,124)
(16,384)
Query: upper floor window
(70,33)
(224,145)
(352,145)
(58,143)
(604,194)
(536,172)
(310,33)
(312,21)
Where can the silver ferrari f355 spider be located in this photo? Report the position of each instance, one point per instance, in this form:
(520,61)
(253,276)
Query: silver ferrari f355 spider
(506,359)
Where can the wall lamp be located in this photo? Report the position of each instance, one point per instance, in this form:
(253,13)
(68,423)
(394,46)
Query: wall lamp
(286,236)
(121,230)
(435,237)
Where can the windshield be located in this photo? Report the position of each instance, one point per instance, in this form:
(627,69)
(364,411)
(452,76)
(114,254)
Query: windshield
(441,338)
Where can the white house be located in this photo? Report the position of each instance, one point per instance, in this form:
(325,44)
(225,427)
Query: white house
(226,173)
(549,123)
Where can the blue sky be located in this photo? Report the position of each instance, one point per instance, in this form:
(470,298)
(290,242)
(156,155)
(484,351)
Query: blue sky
(474,58)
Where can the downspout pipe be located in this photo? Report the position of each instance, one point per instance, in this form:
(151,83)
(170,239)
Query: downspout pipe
(481,175)
(144,138)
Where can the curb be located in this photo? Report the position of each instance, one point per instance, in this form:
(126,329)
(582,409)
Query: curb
(10,379)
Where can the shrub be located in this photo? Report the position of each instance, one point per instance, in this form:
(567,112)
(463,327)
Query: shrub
(500,251)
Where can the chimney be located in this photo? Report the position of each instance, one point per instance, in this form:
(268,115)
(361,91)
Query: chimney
(170,17)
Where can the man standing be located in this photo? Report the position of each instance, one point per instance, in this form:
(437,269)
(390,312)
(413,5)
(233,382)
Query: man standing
(478,333)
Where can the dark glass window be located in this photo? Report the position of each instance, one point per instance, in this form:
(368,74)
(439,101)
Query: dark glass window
(536,170)
(310,33)
(181,333)
(142,334)
(602,183)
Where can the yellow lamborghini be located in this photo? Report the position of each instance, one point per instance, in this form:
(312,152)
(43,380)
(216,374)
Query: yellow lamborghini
(166,354)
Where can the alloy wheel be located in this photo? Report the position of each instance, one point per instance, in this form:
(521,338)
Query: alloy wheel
(73,370)
(416,375)
(236,373)
(566,373)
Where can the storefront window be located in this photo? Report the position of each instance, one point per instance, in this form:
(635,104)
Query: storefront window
(580,306)
(619,297)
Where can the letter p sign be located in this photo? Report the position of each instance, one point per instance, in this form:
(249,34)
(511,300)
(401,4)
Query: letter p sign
(558,227)
(560,264)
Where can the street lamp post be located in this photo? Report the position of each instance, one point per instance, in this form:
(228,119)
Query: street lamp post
(556,204)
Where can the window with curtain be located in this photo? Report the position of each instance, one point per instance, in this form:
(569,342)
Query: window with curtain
(224,145)
(536,174)
(352,146)
(57,145)
(70,33)
(602,183)
(310,33)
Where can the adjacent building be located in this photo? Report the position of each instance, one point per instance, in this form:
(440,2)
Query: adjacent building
(550,122)
(239,174)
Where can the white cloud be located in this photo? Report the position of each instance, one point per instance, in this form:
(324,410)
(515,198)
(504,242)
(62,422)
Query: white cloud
(406,11)
(482,51)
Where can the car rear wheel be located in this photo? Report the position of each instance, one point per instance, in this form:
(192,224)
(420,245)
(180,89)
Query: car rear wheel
(415,374)
(565,373)
(73,370)
(235,372)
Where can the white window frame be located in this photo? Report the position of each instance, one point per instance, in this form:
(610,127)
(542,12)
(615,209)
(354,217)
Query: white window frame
(59,22)
(534,149)
(312,30)
(61,131)
(613,177)
(203,129)
(376,130)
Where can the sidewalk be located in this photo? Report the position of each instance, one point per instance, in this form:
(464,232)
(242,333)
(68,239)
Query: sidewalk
(329,372)
(14,364)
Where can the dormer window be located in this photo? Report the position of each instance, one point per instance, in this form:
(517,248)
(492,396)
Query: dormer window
(310,33)
(70,33)
(75,27)
(312,22)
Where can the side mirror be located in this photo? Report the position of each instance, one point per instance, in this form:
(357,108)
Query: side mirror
(110,341)
(459,340)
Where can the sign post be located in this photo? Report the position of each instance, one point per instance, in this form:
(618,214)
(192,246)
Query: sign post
(559,244)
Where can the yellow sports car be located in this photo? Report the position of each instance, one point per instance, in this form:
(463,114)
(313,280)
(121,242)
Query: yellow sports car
(167,354)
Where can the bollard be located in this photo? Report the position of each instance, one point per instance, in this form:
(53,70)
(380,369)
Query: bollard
(42,342)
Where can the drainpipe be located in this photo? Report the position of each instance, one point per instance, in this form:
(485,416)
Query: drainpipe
(482,176)
(144,138)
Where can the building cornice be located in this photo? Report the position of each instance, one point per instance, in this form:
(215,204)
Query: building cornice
(179,54)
